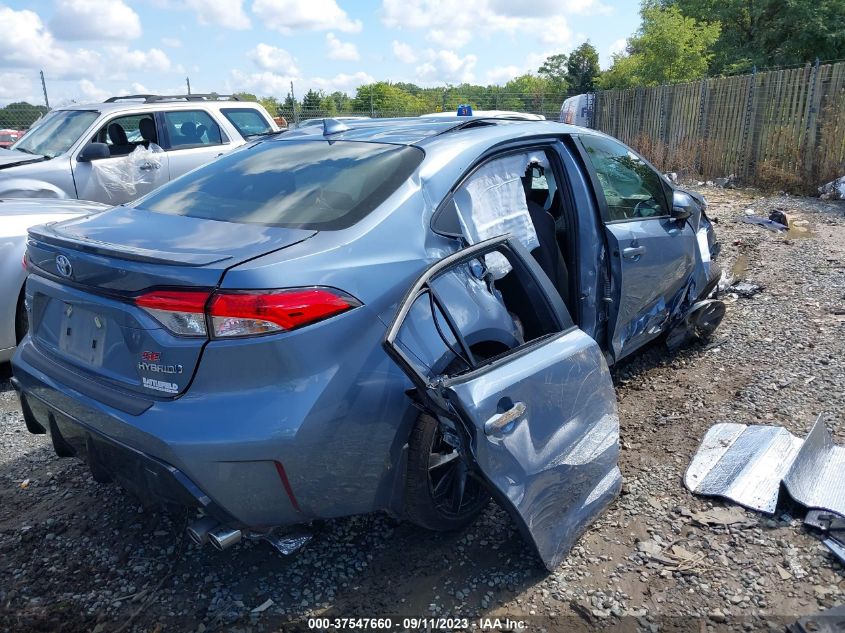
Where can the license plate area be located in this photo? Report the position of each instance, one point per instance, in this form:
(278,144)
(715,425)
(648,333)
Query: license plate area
(83,334)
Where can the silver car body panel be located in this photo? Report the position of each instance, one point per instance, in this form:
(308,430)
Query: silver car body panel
(16,216)
(65,177)
(539,424)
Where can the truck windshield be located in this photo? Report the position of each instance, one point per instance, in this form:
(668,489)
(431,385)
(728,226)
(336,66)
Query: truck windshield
(56,133)
(306,184)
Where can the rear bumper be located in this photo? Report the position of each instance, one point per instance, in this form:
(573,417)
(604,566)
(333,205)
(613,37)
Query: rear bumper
(164,455)
(149,478)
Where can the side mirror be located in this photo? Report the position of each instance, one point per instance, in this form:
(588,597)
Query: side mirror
(93,151)
(682,205)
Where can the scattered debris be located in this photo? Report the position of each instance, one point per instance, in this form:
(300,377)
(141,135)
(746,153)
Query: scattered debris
(746,289)
(764,222)
(263,606)
(833,190)
(725,183)
(724,516)
(780,217)
(747,465)
(830,621)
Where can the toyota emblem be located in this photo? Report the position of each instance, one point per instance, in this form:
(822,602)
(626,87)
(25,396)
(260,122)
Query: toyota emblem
(63,266)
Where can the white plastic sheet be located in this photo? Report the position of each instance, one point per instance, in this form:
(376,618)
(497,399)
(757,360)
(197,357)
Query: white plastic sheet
(121,178)
(492,203)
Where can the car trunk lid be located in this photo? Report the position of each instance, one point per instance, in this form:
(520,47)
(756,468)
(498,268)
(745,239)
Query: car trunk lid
(89,273)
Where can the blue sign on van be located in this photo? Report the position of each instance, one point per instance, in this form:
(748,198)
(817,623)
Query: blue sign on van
(464,110)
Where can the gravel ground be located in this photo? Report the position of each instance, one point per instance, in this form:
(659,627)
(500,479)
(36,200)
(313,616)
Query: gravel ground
(80,556)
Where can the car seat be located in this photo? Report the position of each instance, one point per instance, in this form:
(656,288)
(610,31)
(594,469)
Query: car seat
(147,128)
(120,143)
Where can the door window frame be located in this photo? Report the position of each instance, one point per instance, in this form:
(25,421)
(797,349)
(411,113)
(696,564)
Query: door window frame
(105,122)
(563,322)
(226,111)
(164,134)
(442,225)
(598,190)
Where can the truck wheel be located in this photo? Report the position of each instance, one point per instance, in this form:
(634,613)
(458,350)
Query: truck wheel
(440,493)
(21,319)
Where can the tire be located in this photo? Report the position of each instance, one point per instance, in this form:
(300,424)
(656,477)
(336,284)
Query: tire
(431,484)
(21,319)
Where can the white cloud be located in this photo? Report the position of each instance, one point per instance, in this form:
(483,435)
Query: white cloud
(275,59)
(404,52)
(453,28)
(263,83)
(289,16)
(503,74)
(95,20)
(346,51)
(90,92)
(226,13)
(14,87)
(172,42)
(26,43)
(446,67)
(454,38)
(125,59)
(617,47)
(343,82)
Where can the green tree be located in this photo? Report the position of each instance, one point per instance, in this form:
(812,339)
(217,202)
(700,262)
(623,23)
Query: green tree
(770,32)
(384,97)
(668,48)
(582,69)
(271,104)
(312,101)
(20,115)
(554,70)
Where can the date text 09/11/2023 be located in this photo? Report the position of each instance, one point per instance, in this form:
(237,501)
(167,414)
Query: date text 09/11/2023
(420,623)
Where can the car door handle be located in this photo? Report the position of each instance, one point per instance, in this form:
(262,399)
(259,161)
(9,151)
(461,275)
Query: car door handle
(499,421)
(633,252)
(149,166)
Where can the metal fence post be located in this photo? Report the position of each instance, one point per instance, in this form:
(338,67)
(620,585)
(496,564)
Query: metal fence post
(44,88)
(748,147)
(812,112)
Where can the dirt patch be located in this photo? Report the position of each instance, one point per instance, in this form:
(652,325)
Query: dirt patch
(80,556)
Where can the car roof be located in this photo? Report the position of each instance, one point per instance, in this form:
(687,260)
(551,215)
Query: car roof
(423,130)
(489,114)
(155,106)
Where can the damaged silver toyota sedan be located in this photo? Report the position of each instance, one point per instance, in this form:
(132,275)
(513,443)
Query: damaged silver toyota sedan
(405,315)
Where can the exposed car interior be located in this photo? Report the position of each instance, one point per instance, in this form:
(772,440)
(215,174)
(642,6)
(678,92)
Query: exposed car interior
(124,134)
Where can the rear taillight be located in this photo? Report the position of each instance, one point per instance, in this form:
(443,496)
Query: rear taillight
(180,311)
(243,313)
(252,313)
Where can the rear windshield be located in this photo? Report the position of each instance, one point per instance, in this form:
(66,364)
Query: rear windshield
(305,184)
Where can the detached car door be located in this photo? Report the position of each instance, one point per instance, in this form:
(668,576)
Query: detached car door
(652,254)
(537,423)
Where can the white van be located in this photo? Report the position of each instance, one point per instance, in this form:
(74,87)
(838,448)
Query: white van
(578,110)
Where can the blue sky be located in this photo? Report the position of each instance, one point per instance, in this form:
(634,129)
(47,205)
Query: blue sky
(90,49)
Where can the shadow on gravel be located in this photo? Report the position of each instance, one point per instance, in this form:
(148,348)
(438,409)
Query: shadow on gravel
(76,554)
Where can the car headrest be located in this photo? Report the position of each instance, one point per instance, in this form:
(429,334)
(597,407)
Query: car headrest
(117,135)
(188,129)
(147,128)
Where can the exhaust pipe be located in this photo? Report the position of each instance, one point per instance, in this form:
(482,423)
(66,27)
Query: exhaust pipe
(198,530)
(223,537)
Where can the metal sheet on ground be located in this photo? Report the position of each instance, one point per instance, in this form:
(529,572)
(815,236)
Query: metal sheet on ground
(746,464)
(816,478)
(743,463)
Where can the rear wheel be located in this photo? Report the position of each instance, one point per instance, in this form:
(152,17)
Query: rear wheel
(440,493)
(21,319)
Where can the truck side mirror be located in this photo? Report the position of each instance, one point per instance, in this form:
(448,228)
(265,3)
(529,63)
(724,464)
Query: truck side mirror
(93,151)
